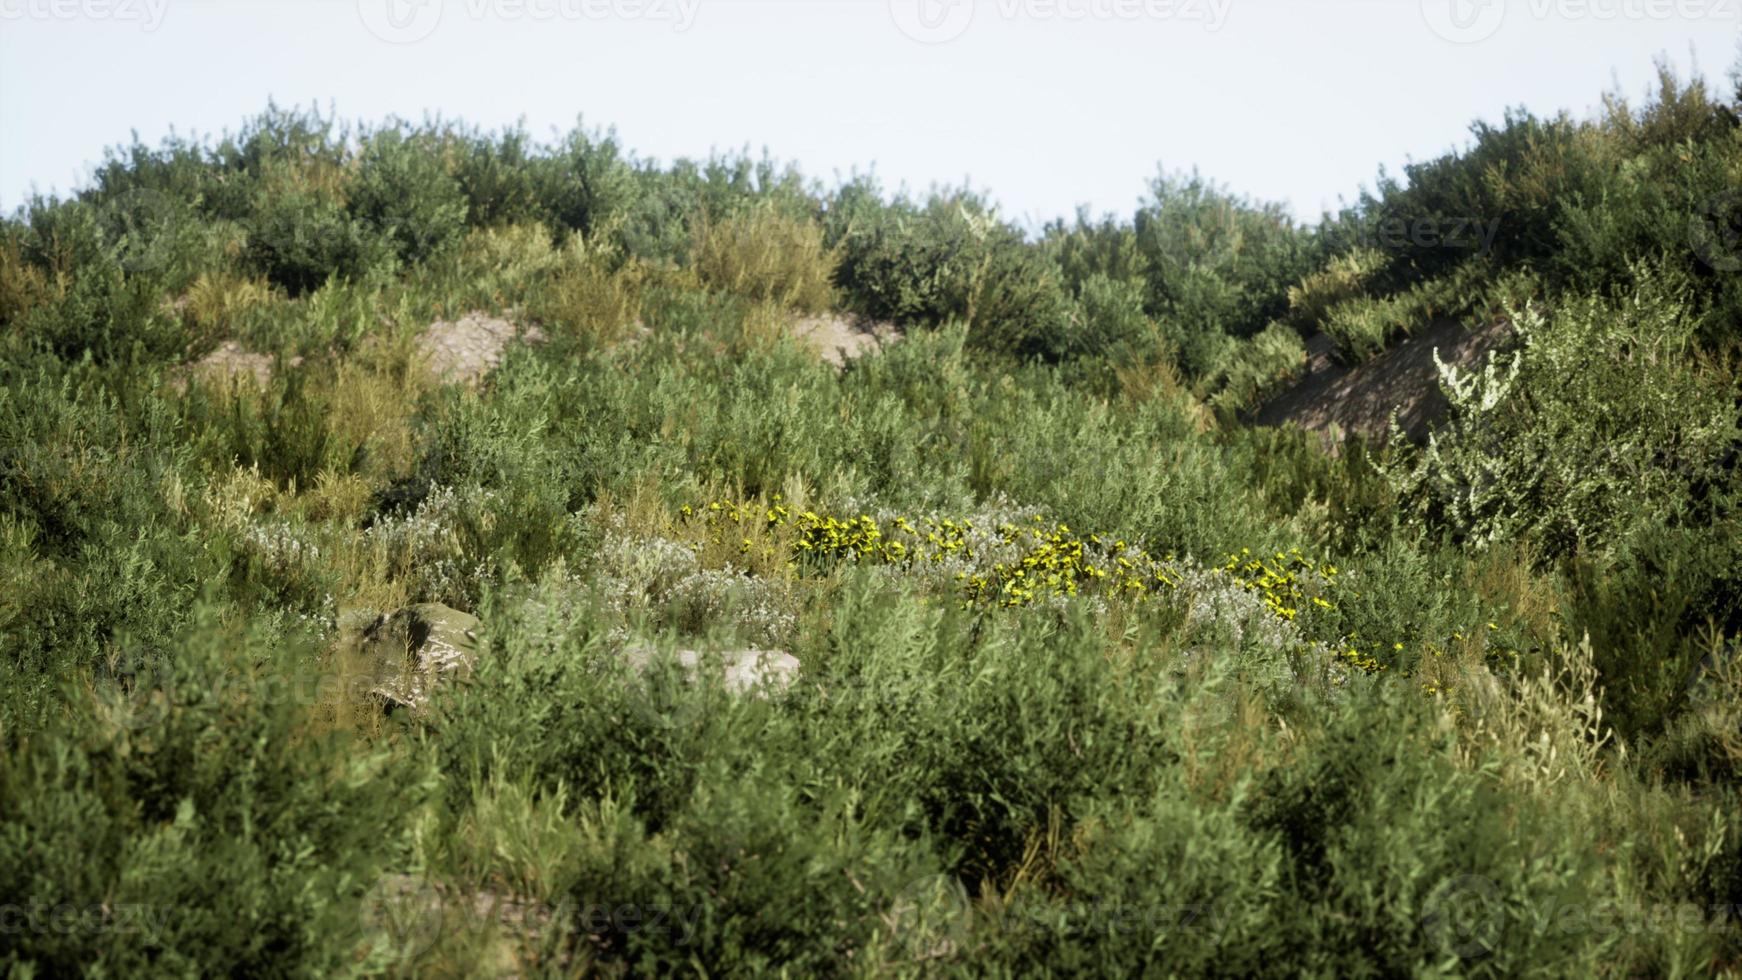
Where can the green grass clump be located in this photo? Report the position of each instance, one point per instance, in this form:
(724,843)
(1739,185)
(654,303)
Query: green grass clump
(1093,677)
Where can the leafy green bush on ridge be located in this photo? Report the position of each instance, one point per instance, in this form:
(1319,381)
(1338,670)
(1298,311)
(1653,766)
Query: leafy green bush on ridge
(1093,678)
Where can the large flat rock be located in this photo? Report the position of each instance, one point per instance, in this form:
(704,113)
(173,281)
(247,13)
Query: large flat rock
(408,651)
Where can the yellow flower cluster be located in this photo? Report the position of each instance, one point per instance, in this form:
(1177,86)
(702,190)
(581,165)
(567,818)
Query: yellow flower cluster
(1278,581)
(1059,563)
(864,539)
(1361,661)
(1281,581)
(1054,561)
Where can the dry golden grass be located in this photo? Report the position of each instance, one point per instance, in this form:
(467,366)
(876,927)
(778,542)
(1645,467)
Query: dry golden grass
(22,285)
(372,403)
(339,497)
(590,301)
(748,542)
(1502,577)
(214,301)
(770,256)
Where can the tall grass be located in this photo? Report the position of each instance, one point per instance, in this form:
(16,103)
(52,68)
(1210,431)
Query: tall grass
(1503,743)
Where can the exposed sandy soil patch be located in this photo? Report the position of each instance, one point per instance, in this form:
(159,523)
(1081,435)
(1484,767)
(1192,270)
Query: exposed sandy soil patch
(465,350)
(229,362)
(1332,397)
(231,359)
(839,339)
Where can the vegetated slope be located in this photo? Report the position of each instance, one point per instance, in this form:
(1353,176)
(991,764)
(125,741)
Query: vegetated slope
(349,626)
(1402,382)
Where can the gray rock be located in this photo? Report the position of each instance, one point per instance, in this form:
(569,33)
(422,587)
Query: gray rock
(408,650)
(741,671)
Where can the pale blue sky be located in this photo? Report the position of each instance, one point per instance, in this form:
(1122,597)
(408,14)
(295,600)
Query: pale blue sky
(1291,100)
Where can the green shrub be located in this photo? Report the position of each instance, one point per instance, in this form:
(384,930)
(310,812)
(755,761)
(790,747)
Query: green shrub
(503,266)
(1342,280)
(186,778)
(1262,363)
(23,284)
(1657,614)
(1362,327)
(301,235)
(1219,266)
(585,297)
(1455,876)
(670,204)
(497,177)
(289,429)
(106,315)
(1108,322)
(1089,248)
(95,304)
(954,260)
(763,255)
(405,195)
(584,184)
(1539,447)
(1416,775)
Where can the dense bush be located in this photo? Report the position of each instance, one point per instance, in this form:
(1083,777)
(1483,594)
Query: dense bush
(583,183)
(953,259)
(184,820)
(1094,678)
(404,192)
(301,236)
(1108,322)
(1540,447)
(1343,279)
(1575,203)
